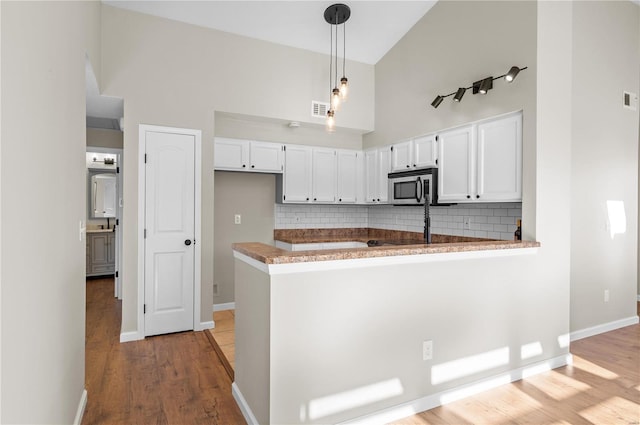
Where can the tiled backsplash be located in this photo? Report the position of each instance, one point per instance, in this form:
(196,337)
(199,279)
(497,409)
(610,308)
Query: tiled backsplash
(494,221)
(320,216)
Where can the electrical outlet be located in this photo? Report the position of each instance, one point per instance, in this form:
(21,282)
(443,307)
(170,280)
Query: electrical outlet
(237,219)
(606,295)
(467,223)
(427,350)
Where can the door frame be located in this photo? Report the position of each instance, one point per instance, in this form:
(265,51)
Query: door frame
(119,212)
(197,284)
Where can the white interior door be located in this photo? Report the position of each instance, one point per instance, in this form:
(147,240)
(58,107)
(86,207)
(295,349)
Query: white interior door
(169,249)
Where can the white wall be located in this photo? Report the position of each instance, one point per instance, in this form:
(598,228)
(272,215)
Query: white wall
(42,173)
(175,74)
(453,45)
(604,161)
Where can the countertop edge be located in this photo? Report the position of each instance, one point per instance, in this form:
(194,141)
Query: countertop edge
(271,255)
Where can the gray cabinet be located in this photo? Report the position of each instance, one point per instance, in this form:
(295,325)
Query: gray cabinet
(101,253)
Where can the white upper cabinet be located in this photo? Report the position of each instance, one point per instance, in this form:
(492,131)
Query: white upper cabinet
(247,155)
(500,159)
(297,174)
(456,167)
(324,175)
(402,156)
(266,157)
(231,154)
(377,165)
(419,152)
(425,151)
(348,171)
(482,162)
(384,168)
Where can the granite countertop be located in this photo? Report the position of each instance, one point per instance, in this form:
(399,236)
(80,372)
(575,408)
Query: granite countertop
(269,254)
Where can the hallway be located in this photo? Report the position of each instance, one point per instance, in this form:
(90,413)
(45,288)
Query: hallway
(168,379)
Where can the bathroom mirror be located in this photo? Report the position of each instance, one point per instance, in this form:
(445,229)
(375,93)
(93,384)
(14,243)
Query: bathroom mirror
(102,194)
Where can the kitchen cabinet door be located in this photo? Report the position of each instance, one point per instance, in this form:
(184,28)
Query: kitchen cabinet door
(347,176)
(231,154)
(456,167)
(500,160)
(371,176)
(266,157)
(402,156)
(324,175)
(384,168)
(425,151)
(297,173)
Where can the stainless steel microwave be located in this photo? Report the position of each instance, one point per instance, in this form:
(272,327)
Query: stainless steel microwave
(412,187)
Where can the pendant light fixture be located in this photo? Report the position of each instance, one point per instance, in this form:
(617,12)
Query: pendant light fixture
(335,15)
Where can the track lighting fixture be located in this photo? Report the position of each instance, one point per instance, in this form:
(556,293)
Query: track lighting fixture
(511,75)
(459,94)
(480,86)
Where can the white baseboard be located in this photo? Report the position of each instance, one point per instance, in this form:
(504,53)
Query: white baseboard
(130,336)
(605,327)
(429,402)
(242,404)
(82,405)
(205,325)
(224,306)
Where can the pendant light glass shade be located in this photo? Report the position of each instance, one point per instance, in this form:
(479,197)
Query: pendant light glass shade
(335,99)
(331,121)
(344,88)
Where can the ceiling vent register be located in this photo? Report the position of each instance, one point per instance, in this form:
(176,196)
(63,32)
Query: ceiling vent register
(319,109)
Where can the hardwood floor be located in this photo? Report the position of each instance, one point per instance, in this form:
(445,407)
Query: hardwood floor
(168,379)
(222,339)
(601,387)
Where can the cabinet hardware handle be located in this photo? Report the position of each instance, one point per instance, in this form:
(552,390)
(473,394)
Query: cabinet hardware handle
(378,199)
(468,196)
(414,165)
(315,199)
(340,200)
(477,196)
(307,199)
(244,165)
(253,166)
(407,165)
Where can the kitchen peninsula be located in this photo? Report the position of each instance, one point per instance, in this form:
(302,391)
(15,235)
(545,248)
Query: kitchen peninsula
(361,334)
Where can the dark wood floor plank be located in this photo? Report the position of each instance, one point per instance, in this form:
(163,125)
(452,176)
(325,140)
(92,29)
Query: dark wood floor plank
(167,379)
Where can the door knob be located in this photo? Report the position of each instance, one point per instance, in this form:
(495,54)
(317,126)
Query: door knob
(187,242)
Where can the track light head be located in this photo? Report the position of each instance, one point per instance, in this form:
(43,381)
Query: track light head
(459,94)
(483,86)
(511,75)
(437,101)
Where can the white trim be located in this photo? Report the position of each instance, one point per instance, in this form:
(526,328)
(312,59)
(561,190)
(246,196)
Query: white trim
(243,405)
(605,327)
(224,306)
(206,325)
(313,266)
(131,336)
(82,405)
(429,402)
(197,284)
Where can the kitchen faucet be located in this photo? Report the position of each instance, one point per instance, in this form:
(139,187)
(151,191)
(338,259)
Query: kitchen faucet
(427,219)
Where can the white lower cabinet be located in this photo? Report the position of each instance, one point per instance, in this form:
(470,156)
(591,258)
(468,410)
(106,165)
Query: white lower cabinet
(482,162)
(101,253)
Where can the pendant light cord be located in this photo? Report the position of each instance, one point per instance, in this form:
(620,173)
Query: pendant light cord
(336,74)
(344,45)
